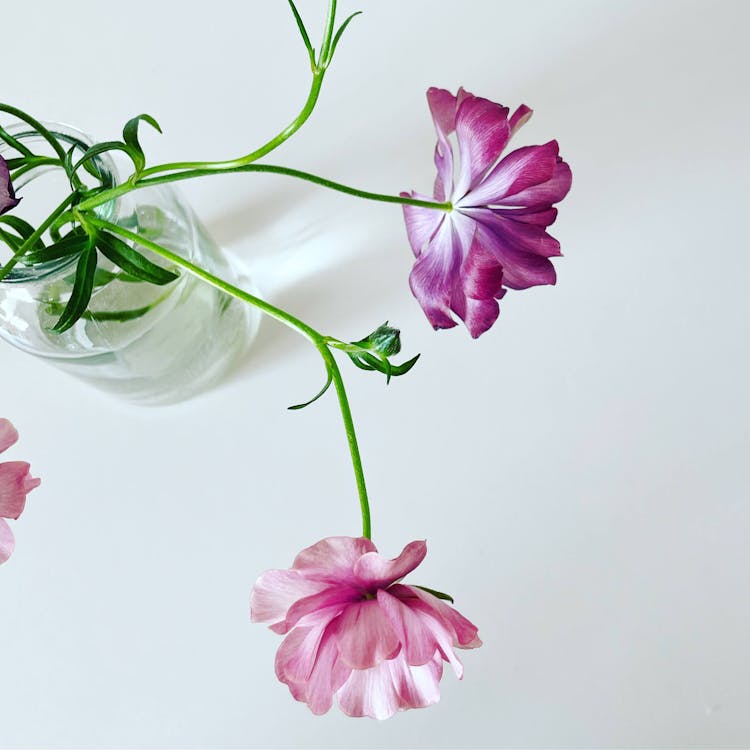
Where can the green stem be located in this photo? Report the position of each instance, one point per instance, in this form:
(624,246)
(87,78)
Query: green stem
(29,120)
(31,241)
(316,338)
(116,192)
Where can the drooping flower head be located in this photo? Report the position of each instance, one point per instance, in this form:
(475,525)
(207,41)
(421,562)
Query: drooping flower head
(494,238)
(355,633)
(15,483)
(8,198)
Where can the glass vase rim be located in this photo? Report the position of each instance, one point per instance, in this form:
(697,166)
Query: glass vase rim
(75,137)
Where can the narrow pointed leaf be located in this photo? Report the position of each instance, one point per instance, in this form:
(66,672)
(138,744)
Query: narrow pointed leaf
(340,33)
(317,396)
(131,261)
(438,594)
(82,288)
(69,245)
(130,136)
(303,32)
(22,228)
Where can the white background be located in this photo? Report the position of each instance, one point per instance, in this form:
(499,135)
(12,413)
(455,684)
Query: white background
(580,472)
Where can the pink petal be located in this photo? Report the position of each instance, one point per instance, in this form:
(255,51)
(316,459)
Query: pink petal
(296,656)
(312,609)
(276,591)
(524,236)
(328,674)
(7,542)
(365,636)
(443,107)
(463,632)
(8,435)
(375,571)
(519,118)
(482,131)
(546,193)
(521,169)
(421,223)
(15,484)
(392,686)
(417,642)
(332,560)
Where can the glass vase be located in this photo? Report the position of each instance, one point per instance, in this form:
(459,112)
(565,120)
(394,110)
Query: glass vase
(148,343)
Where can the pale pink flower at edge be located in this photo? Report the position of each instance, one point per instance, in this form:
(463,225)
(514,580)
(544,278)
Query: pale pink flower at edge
(353,632)
(494,238)
(15,483)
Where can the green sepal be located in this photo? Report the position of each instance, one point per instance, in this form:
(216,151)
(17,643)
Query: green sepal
(131,261)
(317,396)
(438,594)
(130,136)
(83,285)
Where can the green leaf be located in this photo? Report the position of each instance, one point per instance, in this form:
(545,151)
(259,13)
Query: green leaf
(303,33)
(438,594)
(102,148)
(131,261)
(317,396)
(82,288)
(130,136)
(71,244)
(340,33)
(22,227)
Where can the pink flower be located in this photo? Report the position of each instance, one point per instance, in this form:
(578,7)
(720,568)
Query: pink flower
(494,237)
(353,632)
(15,484)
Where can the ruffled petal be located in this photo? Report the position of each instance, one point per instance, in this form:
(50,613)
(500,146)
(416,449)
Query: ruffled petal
(421,223)
(546,193)
(392,686)
(365,636)
(417,642)
(7,542)
(332,560)
(443,109)
(375,571)
(312,609)
(521,269)
(525,236)
(463,633)
(327,676)
(482,132)
(15,484)
(519,170)
(276,591)
(8,198)
(8,434)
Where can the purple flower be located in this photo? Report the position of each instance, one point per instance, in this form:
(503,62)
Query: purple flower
(15,483)
(494,238)
(8,198)
(354,632)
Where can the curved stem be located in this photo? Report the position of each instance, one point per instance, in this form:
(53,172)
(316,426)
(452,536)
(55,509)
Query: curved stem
(109,195)
(317,339)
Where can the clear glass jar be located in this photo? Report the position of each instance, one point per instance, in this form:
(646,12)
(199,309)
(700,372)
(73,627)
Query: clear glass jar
(148,343)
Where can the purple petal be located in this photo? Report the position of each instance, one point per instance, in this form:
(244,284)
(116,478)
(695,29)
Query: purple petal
(8,198)
(417,642)
(8,434)
(538,217)
(481,280)
(482,131)
(546,193)
(521,269)
(524,236)
(332,560)
(443,109)
(392,686)
(15,484)
(375,571)
(521,169)
(421,223)
(276,591)
(7,542)
(365,636)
